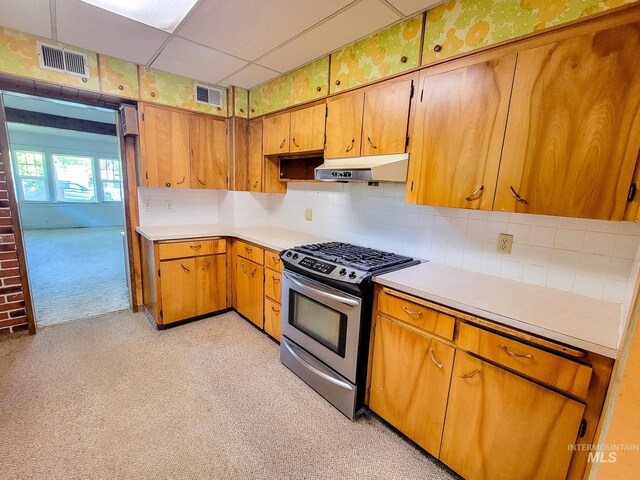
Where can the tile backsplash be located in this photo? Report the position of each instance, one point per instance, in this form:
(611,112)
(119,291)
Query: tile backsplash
(188,206)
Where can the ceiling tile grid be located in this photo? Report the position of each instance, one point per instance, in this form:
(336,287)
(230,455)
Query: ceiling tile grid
(228,42)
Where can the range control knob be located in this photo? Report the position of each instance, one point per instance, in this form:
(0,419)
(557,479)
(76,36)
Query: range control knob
(295,256)
(352,275)
(288,254)
(342,272)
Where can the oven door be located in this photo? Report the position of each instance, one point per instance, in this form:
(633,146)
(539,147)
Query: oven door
(322,320)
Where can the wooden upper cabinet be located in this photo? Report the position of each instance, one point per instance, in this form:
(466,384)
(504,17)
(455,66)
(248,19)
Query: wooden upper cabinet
(275,137)
(503,427)
(344,125)
(164,139)
(307,128)
(410,382)
(386,117)
(573,132)
(209,165)
(458,133)
(254,156)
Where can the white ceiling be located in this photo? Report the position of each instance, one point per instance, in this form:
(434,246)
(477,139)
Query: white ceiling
(227,42)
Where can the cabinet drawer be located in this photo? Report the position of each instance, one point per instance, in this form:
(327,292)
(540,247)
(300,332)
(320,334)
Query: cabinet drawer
(533,362)
(192,248)
(250,252)
(418,315)
(272,318)
(273,285)
(272,260)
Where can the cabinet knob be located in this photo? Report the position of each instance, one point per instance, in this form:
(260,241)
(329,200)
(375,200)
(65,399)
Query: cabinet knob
(437,48)
(253,110)
(403,59)
(337,82)
(168,184)
(120,87)
(318,89)
(153,94)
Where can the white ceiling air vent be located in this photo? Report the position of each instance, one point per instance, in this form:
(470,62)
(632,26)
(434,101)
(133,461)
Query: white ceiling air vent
(62,60)
(209,95)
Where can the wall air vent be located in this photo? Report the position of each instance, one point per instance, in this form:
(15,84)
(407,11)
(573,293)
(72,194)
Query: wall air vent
(61,60)
(209,95)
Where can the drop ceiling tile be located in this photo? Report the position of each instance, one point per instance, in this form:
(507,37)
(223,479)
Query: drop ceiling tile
(96,29)
(409,7)
(250,77)
(251,28)
(354,23)
(192,60)
(31,16)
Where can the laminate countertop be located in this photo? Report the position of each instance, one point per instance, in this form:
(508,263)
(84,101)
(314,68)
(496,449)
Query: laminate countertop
(575,320)
(272,238)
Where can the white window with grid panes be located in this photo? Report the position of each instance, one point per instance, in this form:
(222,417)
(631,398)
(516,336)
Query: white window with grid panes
(111,180)
(31,176)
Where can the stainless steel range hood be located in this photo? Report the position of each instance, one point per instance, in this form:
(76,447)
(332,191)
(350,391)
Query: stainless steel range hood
(375,168)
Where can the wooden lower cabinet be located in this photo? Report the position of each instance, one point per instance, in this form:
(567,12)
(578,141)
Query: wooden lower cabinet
(272,318)
(178,289)
(410,382)
(211,283)
(249,289)
(501,426)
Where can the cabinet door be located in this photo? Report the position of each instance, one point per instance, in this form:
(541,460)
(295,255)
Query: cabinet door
(211,283)
(344,125)
(307,129)
(275,134)
(249,290)
(461,116)
(164,140)
(208,138)
(272,318)
(386,117)
(410,382)
(178,287)
(255,159)
(573,132)
(273,285)
(503,427)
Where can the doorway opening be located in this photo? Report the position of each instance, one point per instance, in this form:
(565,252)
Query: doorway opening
(67,173)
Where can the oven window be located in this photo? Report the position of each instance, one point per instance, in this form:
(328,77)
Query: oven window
(325,325)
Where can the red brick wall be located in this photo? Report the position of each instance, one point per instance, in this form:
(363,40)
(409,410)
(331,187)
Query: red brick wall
(13,315)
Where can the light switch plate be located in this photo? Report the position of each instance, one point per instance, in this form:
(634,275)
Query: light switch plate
(308,214)
(147,205)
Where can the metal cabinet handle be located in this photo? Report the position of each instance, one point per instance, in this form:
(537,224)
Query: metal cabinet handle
(294,142)
(181,181)
(275,260)
(470,374)
(350,147)
(518,197)
(514,354)
(434,359)
(200,181)
(303,284)
(255,184)
(282,144)
(475,195)
(275,280)
(205,266)
(253,274)
(185,268)
(275,310)
(195,247)
(370,143)
(248,249)
(244,270)
(411,312)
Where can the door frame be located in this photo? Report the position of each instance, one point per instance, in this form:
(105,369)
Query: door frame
(129,160)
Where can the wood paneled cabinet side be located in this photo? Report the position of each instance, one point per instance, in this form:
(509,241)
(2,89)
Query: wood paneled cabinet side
(255,159)
(209,162)
(458,133)
(276,131)
(573,133)
(164,145)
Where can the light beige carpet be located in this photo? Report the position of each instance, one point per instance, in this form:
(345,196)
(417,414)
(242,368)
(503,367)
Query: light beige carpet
(111,397)
(76,272)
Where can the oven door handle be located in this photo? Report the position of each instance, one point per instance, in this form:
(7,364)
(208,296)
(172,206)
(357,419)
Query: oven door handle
(307,365)
(302,284)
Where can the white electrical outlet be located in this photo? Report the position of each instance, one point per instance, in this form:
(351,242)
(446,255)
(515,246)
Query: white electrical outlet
(505,242)
(168,205)
(308,214)
(146,205)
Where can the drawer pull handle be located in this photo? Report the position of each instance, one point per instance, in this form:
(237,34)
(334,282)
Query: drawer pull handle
(282,144)
(294,142)
(242,266)
(205,266)
(195,247)
(181,181)
(275,310)
(255,184)
(185,268)
(514,354)
(253,274)
(470,374)
(275,280)
(248,249)
(417,314)
(371,143)
(276,260)
(475,195)
(200,181)
(350,147)
(434,359)
(518,197)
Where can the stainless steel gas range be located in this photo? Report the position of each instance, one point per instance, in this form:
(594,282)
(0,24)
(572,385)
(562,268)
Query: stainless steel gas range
(327,298)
